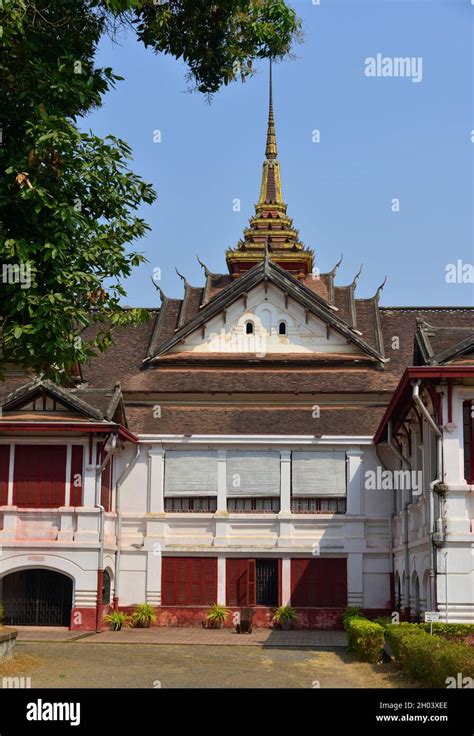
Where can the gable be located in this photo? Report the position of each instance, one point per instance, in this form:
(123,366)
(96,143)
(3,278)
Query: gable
(266,306)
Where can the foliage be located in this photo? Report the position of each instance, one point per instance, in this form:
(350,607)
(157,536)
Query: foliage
(285,613)
(449,631)
(217,614)
(365,638)
(117,620)
(68,199)
(349,612)
(218,41)
(427,658)
(2,614)
(144,614)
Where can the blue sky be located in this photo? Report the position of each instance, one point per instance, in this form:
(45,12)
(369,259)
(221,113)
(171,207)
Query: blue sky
(380,139)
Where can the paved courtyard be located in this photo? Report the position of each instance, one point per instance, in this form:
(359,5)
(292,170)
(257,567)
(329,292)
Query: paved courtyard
(99,663)
(192,636)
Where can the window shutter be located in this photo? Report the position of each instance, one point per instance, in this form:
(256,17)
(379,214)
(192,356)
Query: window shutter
(76,475)
(236,582)
(189,581)
(192,473)
(253,473)
(106,486)
(319,583)
(4,473)
(40,475)
(251,583)
(319,473)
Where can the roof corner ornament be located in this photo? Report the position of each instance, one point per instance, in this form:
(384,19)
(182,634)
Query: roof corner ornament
(334,269)
(203,266)
(380,289)
(159,290)
(183,278)
(356,277)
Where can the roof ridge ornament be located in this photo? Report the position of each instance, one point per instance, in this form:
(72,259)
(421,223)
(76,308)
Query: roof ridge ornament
(380,289)
(203,266)
(356,277)
(162,294)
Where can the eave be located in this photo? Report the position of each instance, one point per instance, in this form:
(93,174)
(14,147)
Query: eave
(418,373)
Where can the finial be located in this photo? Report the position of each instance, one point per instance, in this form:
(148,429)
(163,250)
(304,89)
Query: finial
(354,282)
(266,250)
(380,289)
(203,266)
(337,264)
(159,290)
(183,278)
(271,147)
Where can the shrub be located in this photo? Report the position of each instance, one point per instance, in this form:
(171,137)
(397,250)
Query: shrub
(365,638)
(427,658)
(349,612)
(450,631)
(2,614)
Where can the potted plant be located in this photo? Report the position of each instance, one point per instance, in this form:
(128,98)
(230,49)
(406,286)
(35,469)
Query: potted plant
(284,617)
(144,615)
(117,619)
(216,616)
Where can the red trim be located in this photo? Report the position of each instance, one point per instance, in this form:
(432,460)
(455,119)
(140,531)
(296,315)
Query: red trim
(61,427)
(423,372)
(4,473)
(450,401)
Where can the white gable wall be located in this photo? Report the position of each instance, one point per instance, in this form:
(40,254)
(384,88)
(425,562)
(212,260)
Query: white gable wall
(226,332)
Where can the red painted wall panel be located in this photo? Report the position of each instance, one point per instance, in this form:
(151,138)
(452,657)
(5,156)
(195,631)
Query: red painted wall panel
(319,582)
(189,581)
(4,468)
(77,480)
(39,475)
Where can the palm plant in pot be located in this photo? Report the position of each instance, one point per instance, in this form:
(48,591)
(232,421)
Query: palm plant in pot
(285,617)
(117,620)
(143,615)
(216,616)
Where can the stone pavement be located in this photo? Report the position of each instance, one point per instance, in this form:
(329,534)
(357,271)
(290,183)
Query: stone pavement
(191,636)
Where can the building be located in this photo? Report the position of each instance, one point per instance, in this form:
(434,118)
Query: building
(270,438)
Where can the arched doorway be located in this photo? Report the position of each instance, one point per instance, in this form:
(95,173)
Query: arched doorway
(36,597)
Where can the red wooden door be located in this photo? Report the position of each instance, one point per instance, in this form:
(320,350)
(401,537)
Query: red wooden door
(4,473)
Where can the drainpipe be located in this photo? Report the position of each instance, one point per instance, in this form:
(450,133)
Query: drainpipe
(100,566)
(406,582)
(126,471)
(439,478)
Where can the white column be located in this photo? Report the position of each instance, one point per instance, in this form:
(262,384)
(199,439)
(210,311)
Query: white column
(355,485)
(355,579)
(286,581)
(221,580)
(156,480)
(222,481)
(153,572)
(285,481)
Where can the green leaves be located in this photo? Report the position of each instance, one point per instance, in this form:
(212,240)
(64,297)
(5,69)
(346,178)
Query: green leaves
(67,198)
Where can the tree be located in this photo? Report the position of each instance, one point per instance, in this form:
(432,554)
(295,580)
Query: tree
(68,198)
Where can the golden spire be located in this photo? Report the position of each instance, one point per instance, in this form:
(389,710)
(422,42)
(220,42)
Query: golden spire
(270,233)
(271,147)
